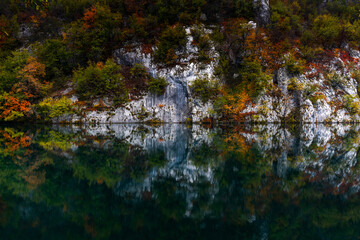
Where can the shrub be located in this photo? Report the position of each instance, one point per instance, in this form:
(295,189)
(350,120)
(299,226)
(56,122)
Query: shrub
(13,107)
(335,80)
(158,85)
(171,42)
(9,27)
(230,104)
(328,29)
(50,108)
(138,80)
(94,37)
(317,96)
(98,80)
(352,104)
(171,11)
(202,41)
(253,78)
(9,69)
(293,65)
(54,54)
(205,89)
(30,79)
(310,89)
(295,85)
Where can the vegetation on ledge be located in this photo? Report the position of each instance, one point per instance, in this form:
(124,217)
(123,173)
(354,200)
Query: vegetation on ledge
(45,46)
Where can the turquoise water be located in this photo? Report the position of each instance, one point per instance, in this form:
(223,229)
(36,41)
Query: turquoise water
(180,182)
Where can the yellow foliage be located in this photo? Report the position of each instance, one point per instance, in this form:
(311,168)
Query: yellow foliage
(235,104)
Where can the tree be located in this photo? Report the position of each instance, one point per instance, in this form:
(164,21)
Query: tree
(13,107)
(30,78)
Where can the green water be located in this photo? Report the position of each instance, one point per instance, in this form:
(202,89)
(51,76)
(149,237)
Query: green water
(179,182)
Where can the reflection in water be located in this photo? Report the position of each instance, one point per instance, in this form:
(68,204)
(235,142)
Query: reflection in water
(180,182)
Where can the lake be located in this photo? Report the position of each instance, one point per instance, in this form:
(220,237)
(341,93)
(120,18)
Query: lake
(180,182)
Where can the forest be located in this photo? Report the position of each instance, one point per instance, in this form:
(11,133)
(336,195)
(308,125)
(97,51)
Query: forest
(50,45)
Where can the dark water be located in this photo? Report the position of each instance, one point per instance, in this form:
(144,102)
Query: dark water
(180,182)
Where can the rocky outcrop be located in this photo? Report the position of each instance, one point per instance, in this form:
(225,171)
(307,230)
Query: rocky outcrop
(262,12)
(177,103)
(325,92)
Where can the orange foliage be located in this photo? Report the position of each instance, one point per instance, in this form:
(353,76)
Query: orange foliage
(14,142)
(100,65)
(29,77)
(236,142)
(37,19)
(269,54)
(89,17)
(235,104)
(242,38)
(12,106)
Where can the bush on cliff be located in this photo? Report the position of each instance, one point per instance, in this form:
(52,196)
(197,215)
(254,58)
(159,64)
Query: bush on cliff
(50,108)
(158,85)
(99,80)
(205,89)
(171,43)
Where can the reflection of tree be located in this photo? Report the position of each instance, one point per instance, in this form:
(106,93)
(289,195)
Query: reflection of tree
(81,184)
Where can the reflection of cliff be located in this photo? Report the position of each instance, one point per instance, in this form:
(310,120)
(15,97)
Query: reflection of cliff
(324,153)
(253,178)
(327,154)
(178,144)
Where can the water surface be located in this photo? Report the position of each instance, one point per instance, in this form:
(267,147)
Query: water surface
(180,182)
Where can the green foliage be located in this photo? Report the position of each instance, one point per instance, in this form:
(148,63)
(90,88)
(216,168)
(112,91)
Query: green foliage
(50,108)
(70,9)
(99,80)
(293,65)
(295,85)
(206,89)
(328,30)
(56,57)
(244,9)
(284,22)
(139,71)
(172,11)
(10,68)
(9,28)
(250,73)
(317,96)
(158,85)
(74,34)
(171,43)
(94,37)
(202,41)
(352,104)
(335,80)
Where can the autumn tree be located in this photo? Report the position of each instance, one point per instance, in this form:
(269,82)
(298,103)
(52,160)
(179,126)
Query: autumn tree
(13,107)
(30,78)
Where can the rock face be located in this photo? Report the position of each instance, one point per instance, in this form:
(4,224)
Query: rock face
(326,95)
(325,91)
(262,11)
(177,103)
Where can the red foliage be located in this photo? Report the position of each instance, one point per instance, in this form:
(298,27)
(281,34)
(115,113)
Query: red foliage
(146,48)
